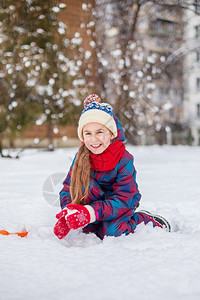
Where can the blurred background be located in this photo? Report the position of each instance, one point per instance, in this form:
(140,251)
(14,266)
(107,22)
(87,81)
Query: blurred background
(142,57)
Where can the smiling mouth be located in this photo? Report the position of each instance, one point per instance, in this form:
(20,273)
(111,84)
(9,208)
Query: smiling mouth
(96,146)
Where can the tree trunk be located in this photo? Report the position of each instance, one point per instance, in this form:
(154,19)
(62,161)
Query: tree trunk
(50,135)
(1,148)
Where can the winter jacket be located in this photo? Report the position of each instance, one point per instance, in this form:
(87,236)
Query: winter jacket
(113,194)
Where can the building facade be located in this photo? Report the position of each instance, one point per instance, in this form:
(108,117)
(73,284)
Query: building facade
(192,73)
(162,28)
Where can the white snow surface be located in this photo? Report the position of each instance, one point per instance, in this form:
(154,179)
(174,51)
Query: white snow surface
(149,264)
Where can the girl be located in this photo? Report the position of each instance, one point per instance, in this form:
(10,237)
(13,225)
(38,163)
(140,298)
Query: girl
(100,193)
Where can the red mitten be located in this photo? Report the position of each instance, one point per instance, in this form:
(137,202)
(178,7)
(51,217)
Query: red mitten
(82,215)
(62,213)
(61,229)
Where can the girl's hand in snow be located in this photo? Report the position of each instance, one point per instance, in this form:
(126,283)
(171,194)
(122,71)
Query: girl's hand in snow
(79,215)
(62,213)
(61,229)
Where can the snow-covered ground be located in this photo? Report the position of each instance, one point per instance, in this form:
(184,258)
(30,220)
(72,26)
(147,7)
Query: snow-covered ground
(149,264)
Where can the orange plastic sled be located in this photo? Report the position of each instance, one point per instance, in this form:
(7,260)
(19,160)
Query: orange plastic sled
(22,234)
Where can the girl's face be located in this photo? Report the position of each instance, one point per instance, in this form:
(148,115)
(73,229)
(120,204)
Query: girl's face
(96,137)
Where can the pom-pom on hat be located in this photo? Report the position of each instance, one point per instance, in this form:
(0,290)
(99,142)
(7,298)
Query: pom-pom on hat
(95,111)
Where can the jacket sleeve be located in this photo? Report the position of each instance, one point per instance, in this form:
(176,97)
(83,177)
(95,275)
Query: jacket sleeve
(125,196)
(65,197)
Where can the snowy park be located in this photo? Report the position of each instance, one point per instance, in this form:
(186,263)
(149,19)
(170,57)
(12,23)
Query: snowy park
(149,264)
(143,59)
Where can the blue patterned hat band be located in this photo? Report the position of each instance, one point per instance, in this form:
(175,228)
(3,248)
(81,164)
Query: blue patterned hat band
(96,112)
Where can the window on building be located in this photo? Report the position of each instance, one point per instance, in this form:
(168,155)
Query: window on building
(162,27)
(170,11)
(197,6)
(170,27)
(197,31)
(198,110)
(164,91)
(198,84)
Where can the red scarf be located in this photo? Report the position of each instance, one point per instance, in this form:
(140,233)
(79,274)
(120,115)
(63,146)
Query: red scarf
(109,158)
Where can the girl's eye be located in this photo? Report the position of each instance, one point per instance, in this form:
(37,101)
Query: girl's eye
(87,133)
(100,131)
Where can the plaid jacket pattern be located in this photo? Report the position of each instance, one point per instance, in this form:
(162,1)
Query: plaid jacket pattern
(114,196)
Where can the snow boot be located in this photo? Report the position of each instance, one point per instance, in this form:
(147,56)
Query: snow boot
(162,221)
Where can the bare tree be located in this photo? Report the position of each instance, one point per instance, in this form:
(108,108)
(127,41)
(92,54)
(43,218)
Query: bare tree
(130,70)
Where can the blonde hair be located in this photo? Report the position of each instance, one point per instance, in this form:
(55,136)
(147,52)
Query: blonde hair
(80,177)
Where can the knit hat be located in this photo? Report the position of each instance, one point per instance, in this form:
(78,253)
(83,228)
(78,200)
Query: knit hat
(95,111)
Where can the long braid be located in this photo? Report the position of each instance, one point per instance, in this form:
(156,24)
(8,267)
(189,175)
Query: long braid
(80,176)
